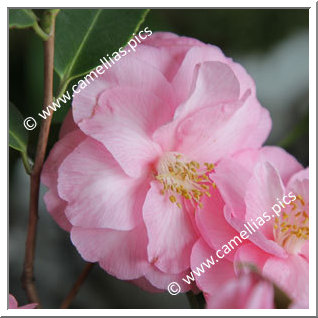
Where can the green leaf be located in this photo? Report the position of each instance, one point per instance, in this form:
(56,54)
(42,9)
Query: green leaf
(18,136)
(24,18)
(21,18)
(82,37)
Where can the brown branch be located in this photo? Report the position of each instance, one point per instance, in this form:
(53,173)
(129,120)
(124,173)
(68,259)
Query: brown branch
(28,267)
(67,301)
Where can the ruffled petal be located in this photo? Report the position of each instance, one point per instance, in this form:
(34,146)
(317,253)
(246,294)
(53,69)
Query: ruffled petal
(162,280)
(285,163)
(214,277)
(122,254)
(250,254)
(68,125)
(124,121)
(299,185)
(257,237)
(223,130)
(129,72)
(212,225)
(98,192)
(198,54)
(54,203)
(231,178)
(291,275)
(261,193)
(212,83)
(170,232)
(243,293)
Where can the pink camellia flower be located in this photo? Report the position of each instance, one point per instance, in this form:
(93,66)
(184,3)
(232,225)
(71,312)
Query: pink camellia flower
(133,160)
(268,189)
(225,289)
(13,304)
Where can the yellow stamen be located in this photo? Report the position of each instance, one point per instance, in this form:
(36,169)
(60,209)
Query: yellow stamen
(291,228)
(184,178)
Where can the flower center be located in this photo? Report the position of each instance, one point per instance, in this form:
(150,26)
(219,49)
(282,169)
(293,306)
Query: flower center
(183,179)
(291,229)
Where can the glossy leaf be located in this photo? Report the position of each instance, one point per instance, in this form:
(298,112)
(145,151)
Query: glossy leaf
(21,18)
(82,37)
(18,136)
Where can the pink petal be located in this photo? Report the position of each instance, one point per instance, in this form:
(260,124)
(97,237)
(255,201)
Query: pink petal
(29,306)
(257,237)
(285,163)
(249,192)
(123,254)
(128,72)
(176,47)
(299,185)
(170,40)
(305,251)
(120,253)
(162,280)
(98,192)
(68,125)
(56,207)
(165,136)
(300,176)
(84,103)
(212,225)
(233,174)
(292,275)
(262,296)
(144,284)
(199,54)
(296,305)
(158,57)
(261,193)
(170,232)
(223,130)
(124,122)
(250,254)
(13,304)
(243,293)
(212,83)
(54,203)
(231,179)
(214,277)
(207,125)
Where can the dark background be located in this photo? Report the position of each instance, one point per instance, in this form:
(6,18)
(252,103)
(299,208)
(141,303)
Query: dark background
(272,44)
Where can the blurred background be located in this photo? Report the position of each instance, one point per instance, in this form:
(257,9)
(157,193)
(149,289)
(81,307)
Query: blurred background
(272,44)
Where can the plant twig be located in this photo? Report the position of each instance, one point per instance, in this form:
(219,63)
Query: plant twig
(28,267)
(37,29)
(80,280)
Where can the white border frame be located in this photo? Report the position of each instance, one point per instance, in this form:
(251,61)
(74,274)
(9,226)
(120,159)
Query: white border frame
(312,159)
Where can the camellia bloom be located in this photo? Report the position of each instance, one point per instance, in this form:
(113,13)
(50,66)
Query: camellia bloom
(269,189)
(135,155)
(13,304)
(223,288)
